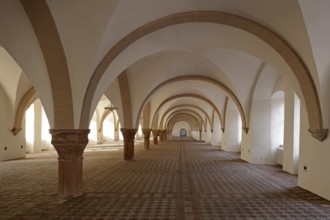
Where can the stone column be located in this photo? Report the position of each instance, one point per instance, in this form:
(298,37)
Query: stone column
(116,135)
(200,135)
(146,136)
(128,135)
(99,136)
(70,145)
(37,145)
(155,134)
(161,135)
(164,135)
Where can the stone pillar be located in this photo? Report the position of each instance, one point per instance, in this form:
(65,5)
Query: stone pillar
(161,135)
(164,135)
(155,134)
(200,135)
(146,136)
(99,136)
(116,135)
(128,135)
(70,145)
(37,145)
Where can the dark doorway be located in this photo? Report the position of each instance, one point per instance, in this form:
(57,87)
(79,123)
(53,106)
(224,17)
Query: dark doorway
(183,132)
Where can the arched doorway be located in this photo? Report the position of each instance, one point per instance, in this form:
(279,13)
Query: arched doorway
(183,132)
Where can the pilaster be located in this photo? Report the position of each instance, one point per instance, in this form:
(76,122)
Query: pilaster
(70,145)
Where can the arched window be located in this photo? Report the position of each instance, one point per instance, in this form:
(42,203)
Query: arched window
(277,120)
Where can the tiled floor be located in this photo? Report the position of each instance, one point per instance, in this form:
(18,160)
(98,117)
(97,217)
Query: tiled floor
(173,180)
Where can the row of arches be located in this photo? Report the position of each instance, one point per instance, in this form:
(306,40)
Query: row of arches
(189,113)
(168,82)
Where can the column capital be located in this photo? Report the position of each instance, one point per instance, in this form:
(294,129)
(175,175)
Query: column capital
(69,143)
(155,132)
(128,133)
(146,131)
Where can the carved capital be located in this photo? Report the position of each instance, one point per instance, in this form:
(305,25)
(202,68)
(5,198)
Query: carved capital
(246,130)
(319,134)
(128,134)
(69,143)
(223,130)
(146,132)
(155,132)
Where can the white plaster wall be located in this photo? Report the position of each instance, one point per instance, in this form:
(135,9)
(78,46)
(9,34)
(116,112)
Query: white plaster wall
(246,147)
(178,126)
(277,119)
(207,134)
(261,149)
(15,145)
(217,133)
(316,18)
(291,151)
(291,127)
(231,136)
(10,145)
(195,135)
(315,156)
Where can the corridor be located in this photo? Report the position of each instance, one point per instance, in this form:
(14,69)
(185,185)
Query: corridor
(174,180)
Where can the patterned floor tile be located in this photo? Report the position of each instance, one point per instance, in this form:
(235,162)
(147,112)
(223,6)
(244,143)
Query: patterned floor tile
(174,180)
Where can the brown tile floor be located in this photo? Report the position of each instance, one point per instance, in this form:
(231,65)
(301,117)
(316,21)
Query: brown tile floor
(174,180)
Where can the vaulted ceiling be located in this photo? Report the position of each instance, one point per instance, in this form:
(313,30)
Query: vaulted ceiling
(175,55)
